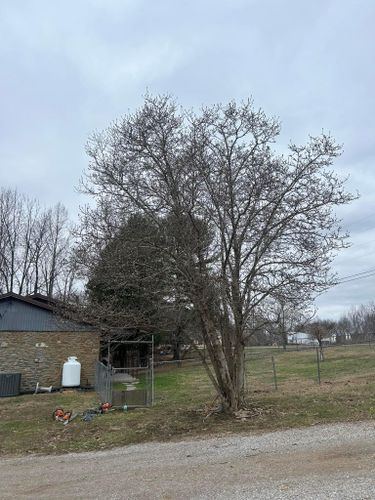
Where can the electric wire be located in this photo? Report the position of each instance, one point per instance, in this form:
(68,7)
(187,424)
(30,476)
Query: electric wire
(355,278)
(357,274)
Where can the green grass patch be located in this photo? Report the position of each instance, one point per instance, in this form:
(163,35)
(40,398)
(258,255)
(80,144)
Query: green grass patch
(183,396)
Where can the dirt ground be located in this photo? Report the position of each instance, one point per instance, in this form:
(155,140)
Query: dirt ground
(320,462)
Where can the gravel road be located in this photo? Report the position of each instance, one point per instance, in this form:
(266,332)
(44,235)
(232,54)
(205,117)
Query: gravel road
(320,462)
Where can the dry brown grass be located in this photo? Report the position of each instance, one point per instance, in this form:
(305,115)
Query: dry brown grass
(184,396)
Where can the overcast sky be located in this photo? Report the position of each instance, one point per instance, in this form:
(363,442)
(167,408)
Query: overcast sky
(68,68)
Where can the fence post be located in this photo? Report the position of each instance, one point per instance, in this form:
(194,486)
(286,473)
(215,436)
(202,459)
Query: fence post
(152,371)
(150,382)
(318,363)
(274,373)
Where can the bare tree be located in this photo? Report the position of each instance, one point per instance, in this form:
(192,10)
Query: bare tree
(11,204)
(284,318)
(34,245)
(358,324)
(270,220)
(320,330)
(39,245)
(57,247)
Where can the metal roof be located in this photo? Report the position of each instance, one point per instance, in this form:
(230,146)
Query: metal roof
(23,314)
(31,299)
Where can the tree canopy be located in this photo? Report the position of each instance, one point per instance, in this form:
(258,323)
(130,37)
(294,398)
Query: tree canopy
(241,225)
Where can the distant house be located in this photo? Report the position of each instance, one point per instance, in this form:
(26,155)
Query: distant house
(36,341)
(329,339)
(301,338)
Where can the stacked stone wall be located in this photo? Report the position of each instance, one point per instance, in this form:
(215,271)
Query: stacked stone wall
(40,356)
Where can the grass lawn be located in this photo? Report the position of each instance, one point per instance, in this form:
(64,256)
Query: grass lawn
(347,393)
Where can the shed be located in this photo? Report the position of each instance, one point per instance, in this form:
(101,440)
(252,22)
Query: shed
(36,341)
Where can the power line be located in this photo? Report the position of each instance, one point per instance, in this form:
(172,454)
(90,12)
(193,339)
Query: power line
(356,279)
(356,274)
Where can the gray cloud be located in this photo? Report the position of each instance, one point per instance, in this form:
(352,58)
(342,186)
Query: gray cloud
(69,68)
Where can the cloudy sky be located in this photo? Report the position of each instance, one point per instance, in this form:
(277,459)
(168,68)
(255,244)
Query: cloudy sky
(68,68)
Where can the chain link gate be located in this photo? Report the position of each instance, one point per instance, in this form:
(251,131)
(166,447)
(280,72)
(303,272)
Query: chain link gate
(103,382)
(132,386)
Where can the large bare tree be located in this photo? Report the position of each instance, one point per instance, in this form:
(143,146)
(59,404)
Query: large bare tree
(35,253)
(245,223)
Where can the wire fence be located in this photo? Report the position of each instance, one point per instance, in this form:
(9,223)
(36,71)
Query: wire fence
(291,369)
(267,369)
(273,368)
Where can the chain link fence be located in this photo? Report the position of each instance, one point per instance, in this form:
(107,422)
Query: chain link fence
(267,369)
(273,368)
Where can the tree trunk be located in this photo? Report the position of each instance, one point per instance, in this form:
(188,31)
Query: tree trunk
(239,375)
(176,350)
(284,339)
(229,382)
(321,351)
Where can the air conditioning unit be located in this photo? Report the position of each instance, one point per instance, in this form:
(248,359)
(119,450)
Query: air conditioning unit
(10,384)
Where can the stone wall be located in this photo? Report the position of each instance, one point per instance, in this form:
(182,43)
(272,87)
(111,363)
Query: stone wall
(40,356)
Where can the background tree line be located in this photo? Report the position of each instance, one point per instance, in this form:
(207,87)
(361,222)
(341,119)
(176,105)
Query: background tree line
(35,247)
(357,325)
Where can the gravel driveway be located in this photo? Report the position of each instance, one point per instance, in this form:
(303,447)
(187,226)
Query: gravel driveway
(321,462)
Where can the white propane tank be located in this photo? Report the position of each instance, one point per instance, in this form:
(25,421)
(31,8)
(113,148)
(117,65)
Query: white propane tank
(71,375)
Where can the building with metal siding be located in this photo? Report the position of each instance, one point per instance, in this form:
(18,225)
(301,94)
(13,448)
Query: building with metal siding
(36,341)
(25,314)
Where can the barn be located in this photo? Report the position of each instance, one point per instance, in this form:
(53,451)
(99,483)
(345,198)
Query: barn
(36,341)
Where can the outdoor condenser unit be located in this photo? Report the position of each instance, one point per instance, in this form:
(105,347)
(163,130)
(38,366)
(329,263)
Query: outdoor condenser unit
(10,384)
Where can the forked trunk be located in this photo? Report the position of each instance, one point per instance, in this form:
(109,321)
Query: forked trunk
(229,374)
